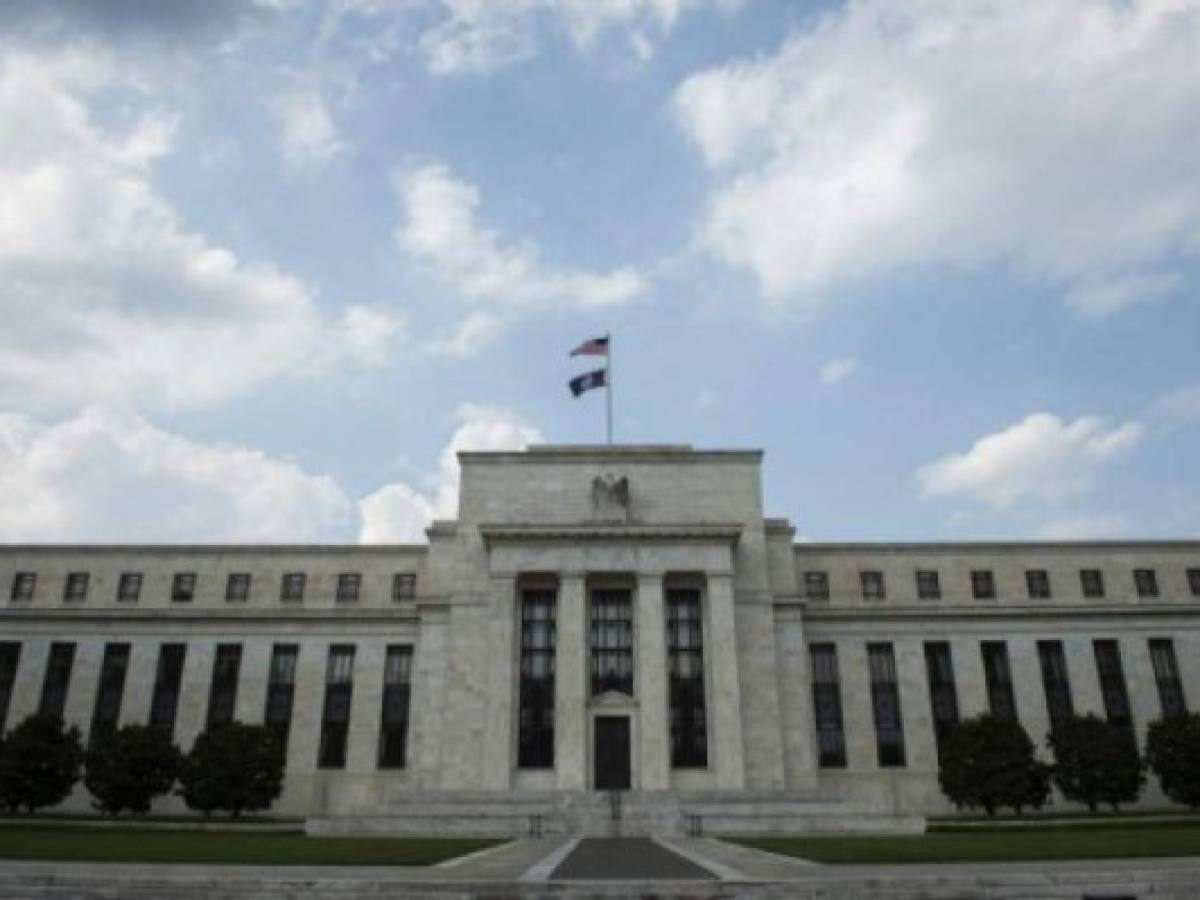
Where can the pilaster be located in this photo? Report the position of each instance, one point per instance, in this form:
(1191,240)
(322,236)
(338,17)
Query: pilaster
(498,736)
(650,685)
(726,699)
(570,683)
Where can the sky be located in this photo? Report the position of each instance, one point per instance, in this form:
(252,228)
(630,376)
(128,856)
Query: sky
(267,265)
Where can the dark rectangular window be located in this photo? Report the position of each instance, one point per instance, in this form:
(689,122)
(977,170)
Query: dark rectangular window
(348,586)
(1145,581)
(1166,675)
(998,677)
(292,588)
(929,585)
(1112,682)
(943,699)
(1193,577)
(827,706)
(10,657)
(1038,583)
(885,704)
(23,585)
(107,711)
(129,587)
(183,587)
(983,584)
(1092,582)
(237,587)
(685,665)
(57,680)
(816,585)
(873,587)
(612,641)
(222,693)
(75,588)
(335,717)
(1056,682)
(393,729)
(167,680)
(404,586)
(535,739)
(281,690)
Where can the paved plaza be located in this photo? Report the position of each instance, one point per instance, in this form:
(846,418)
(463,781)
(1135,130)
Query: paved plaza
(616,867)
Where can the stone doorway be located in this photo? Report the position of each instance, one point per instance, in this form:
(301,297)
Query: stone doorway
(611,753)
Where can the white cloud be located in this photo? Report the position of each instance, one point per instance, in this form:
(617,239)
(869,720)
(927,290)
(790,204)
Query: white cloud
(1041,459)
(109,473)
(108,295)
(889,137)
(308,137)
(838,370)
(475,331)
(440,230)
(398,512)
(1181,404)
(1102,298)
(1083,527)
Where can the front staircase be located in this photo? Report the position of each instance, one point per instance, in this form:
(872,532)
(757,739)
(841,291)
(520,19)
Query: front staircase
(618,814)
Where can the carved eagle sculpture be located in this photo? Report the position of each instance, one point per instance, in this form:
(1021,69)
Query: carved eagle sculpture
(609,491)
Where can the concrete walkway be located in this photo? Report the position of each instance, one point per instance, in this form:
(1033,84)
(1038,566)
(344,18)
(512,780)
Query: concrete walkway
(626,859)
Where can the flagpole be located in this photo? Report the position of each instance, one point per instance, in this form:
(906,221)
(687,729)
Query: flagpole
(608,386)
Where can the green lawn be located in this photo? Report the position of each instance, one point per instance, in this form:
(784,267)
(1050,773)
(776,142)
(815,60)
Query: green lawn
(133,844)
(1066,842)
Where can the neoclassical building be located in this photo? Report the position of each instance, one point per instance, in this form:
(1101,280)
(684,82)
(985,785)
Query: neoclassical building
(607,637)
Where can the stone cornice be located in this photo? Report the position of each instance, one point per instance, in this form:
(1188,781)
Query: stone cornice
(111,616)
(217,549)
(612,532)
(964,612)
(1002,547)
(591,454)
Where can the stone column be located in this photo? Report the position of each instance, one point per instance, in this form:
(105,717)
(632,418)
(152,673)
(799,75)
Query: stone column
(650,685)
(726,694)
(795,704)
(85,680)
(362,747)
(571,683)
(425,732)
(498,736)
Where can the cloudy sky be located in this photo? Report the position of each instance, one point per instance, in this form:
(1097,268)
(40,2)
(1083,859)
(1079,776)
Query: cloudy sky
(265,266)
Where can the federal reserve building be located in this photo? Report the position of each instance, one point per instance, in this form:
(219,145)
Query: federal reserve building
(606,639)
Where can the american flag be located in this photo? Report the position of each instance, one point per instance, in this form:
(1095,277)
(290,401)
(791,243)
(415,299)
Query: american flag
(592,347)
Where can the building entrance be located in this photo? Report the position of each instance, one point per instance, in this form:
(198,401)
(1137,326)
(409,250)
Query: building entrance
(611,753)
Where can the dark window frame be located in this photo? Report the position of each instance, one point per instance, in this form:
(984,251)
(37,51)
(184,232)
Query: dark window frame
(281,691)
(929,584)
(874,585)
(535,710)
(687,707)
(1091,583)
(349,587)
(404,586)
(183,587)
(828,722)
(943,693)
(983,584)
(223,686)
(610,619)
(816,584)
(395,715)
(291,587)
(1037,583)
(997,676)
(1056,682)
(75,587)
(237,587)
(1171,698)
(129,587)
(1113,689)
(1193,578)
(337,706)
(10,664)
(24,586)
(110,690)
(168,684)
(885,705)
(1145,582)
(56,681)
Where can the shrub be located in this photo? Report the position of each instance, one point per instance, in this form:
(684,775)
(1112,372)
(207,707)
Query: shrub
(39,763)
(1096,761)
(1173,754)
(131,767)
(233,767)
(988,762)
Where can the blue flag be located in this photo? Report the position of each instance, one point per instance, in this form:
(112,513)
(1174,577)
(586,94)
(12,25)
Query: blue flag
(586,382)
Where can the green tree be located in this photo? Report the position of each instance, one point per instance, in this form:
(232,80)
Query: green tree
(1173,754)
(234,767)
(39,763)
(988,763)
(1096,761)
(131,767)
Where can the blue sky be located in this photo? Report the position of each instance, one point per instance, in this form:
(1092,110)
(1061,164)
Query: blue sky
(265,266)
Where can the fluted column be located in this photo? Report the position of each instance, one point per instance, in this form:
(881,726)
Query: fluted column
(650,685)
(571,683)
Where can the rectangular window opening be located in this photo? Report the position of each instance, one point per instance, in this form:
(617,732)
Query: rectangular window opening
(1056,682)
(929,586)
(129,587)
(827,706)
(612,641)
(349,585)
(1092,583)
(685,661)
(183,587)
(335,715)
(535,739)
(1166,676)
(983,584)
(75,589)
(222,693)
(281,691)
(998,678)
(1038,583)
(873,587)
(393,729)
(292,587)
(885,703)
(943,698)
(57,680)
(23,585)
(1112,682)
(237,587)
(109,691)
(816,585)
(10,658)
(168,678)
(404,586)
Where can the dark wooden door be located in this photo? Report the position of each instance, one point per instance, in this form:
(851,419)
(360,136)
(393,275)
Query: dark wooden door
(611,753)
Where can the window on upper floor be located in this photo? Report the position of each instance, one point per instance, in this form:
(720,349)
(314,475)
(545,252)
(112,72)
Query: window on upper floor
(1193,576)
(816,585)
(23,585)
(1092,582)
(983,584)
(404,586)
(129,587)
(1145,581)
(76,587)
(1038,582)
(873,587)
(237,587)
(292,588)
(929,585)
(183,587)
(348,586)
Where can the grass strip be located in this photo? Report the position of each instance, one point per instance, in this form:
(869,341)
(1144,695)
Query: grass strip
(1167,839)
(51,842)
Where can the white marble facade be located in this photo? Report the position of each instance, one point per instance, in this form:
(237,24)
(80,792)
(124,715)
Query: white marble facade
(571,521)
